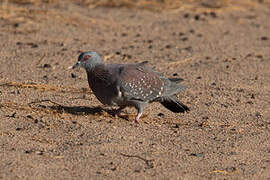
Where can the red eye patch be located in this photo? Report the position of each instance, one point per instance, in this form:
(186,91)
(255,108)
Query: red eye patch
(86,57)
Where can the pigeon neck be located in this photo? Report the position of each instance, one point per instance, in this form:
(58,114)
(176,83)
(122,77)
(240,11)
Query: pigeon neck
(90,67)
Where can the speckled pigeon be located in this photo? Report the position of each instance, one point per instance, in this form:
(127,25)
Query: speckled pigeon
(129,84)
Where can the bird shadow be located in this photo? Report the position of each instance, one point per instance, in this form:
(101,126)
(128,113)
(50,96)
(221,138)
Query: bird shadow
(84,110)
(78,110)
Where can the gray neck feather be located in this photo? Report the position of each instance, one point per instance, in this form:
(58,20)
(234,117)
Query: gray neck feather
(89,67)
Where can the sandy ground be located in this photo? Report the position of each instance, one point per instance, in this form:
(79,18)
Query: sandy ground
(53,127)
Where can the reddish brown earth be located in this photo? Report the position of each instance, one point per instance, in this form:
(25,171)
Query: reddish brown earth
(53,127)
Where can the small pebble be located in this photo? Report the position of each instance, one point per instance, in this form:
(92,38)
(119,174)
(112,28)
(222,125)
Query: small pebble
(28,151)
(16,25)
(213,14)
(264,38)
(257,114)
(197,17)
(184,39)
(114,168)
(249,102)
(39,152)
(186,15)
(47,66)
(259,56)
(181,34)
(248,55)
(188,48)
(73,75)
(168,46)
(29,116)
(33,45)
(231,169)
(127,55)
(197,155)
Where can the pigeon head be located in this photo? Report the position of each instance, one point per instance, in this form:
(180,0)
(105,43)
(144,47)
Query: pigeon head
(88,60)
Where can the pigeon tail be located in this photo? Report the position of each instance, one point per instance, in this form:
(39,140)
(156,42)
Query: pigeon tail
(174,105)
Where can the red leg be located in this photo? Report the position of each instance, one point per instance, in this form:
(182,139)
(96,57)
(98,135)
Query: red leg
(138,117)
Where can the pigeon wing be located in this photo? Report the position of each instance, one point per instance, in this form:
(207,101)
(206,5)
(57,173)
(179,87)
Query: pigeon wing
(140,83)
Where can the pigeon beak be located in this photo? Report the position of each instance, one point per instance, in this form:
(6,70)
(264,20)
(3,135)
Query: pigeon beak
(78,64)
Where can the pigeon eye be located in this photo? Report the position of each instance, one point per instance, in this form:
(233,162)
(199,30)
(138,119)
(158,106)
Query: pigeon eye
(86,57)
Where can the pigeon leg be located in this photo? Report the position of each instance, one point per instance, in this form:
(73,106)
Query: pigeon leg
(139,107)
(138,117)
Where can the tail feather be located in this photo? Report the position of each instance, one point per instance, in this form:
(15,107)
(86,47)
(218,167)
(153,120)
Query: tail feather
(174,105)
